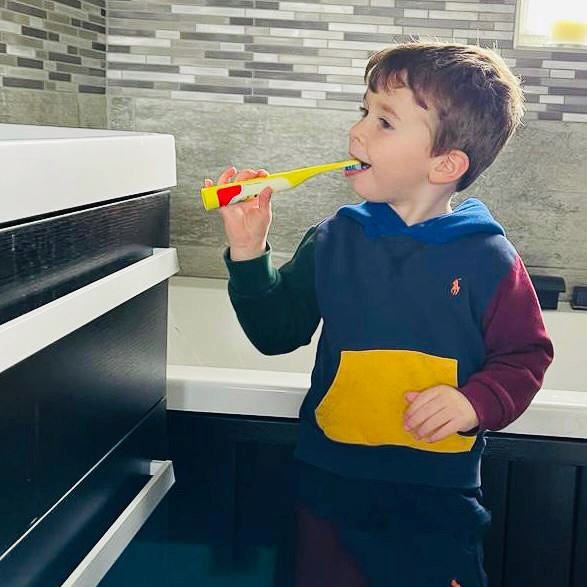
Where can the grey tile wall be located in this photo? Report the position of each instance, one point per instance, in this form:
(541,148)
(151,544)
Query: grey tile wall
(53,62)
(53,45)
(535,188)
(277,85)
(23,106)
(312,54)
(274,84)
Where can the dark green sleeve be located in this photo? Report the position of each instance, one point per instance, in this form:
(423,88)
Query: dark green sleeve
(277,308)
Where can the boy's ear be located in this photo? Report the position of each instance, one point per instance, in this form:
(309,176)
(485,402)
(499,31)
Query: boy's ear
(449,167)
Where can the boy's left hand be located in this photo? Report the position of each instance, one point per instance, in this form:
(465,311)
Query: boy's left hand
(438,412)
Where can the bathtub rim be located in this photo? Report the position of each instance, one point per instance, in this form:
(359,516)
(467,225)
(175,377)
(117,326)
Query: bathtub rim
(279,394)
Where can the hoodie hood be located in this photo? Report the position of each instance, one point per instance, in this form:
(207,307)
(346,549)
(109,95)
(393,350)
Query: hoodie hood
(380,219)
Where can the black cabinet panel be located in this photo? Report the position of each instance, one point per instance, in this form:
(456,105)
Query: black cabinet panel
(93,386)
(44,260)
(145,562)
(494,479)
(541,499)
(65,407)
(50,552)
(231,510)
(18,412)
(70,403)
(579,571)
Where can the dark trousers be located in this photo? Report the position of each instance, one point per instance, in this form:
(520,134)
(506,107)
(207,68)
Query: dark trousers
(364,533)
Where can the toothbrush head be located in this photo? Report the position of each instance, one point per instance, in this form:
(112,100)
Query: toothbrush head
(356,166)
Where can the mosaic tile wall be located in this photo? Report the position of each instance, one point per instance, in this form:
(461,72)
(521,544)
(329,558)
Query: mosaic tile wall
(313,54)
(536,188)
(53,62)
(262,83)
(53,45)
(277,85)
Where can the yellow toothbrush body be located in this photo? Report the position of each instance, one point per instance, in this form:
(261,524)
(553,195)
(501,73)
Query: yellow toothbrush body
(227,194)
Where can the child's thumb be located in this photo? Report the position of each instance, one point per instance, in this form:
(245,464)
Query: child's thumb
(265,198)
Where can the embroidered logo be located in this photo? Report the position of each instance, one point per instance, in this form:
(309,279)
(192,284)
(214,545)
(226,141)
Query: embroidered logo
(456,288)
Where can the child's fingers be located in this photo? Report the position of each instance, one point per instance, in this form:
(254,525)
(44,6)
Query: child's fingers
(245,174)
(421,400)
(431,424)
(447,430)
(416,420)
(265,198)
(227,174)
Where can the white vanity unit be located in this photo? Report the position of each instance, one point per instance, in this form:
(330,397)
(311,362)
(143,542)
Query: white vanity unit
(84,264)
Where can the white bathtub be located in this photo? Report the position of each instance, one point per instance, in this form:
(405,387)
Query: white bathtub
(214,368)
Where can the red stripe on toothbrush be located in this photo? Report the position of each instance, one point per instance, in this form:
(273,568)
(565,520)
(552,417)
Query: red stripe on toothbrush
(226,194)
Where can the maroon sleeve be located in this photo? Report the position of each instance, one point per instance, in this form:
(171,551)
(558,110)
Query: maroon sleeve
(518,352)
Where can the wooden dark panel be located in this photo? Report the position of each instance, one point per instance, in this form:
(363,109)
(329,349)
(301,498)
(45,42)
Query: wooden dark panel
(202,504)
(145,562)
(494,480)
(231,509)
(52,550)
(44,260)
(70,403)
(93,386)
(65,407)
(579,572)
(539,525)
(540,449)
(17,458)
(265,517)
(203,501)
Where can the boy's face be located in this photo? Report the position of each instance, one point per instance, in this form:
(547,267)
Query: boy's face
(395,137)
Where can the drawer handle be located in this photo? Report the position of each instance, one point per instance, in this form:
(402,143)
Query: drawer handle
(24,336)
(100,559)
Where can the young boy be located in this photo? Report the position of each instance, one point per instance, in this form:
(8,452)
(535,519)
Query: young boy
(432,333)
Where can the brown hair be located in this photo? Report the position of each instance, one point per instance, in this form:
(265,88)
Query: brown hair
(478,100)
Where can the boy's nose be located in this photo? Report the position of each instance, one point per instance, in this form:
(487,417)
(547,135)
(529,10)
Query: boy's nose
(356,136)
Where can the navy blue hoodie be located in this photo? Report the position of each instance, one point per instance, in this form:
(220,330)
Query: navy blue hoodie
(404,308)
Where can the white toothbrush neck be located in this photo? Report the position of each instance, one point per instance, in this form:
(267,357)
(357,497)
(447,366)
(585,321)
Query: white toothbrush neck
(277,184)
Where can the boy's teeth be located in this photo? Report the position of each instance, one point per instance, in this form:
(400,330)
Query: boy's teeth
(357,166)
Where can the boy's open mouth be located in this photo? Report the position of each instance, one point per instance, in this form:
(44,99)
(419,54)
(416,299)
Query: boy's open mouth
(356,169)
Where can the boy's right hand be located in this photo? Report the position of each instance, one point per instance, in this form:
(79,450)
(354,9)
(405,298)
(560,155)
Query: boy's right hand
(246,224)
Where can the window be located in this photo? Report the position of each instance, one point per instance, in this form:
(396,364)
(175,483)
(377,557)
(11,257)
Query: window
(552,23)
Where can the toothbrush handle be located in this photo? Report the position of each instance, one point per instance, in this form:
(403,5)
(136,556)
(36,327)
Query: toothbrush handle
(227,194)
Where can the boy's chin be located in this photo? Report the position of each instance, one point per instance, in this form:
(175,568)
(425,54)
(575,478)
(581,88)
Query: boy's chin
(365,193)
(375,198)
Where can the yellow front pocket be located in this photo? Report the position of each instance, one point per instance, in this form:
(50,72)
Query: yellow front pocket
(365,403)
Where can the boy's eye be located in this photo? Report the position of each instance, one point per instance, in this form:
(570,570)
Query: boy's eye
(382,121)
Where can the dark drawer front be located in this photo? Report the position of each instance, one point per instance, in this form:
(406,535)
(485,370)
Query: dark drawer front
(44,260)
(84,393)
(63,408)
(52,550)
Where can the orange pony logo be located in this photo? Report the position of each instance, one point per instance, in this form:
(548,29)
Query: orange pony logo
(456,288)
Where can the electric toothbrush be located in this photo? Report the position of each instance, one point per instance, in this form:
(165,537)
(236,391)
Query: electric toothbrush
(227,194)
